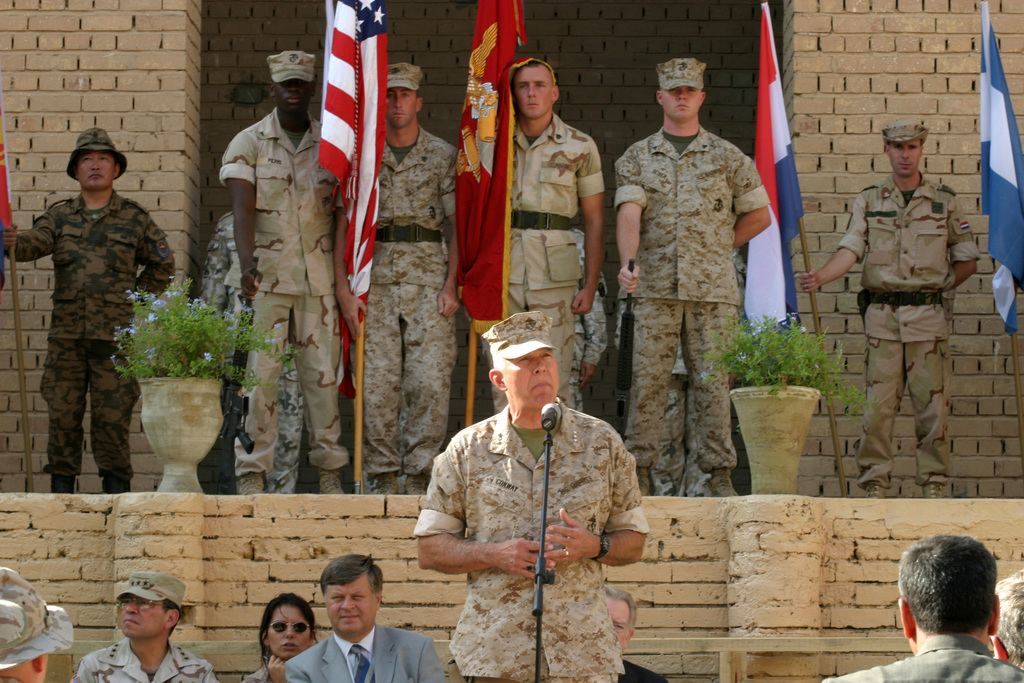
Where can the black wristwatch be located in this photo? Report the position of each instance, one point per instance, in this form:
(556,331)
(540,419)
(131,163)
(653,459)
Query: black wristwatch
(606,545)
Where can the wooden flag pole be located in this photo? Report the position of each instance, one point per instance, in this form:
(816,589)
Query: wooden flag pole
(360,371)
(1016,386)
(26,435)
(471,378)
(828,402)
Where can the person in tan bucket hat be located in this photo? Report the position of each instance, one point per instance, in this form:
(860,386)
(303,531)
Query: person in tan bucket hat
(478,517)
(29,630)
(148,610)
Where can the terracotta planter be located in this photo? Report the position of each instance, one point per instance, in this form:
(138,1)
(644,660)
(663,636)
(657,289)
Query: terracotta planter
(181,417)
(774,429)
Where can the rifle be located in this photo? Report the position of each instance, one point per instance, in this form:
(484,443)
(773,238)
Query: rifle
(624,378)
(235,407)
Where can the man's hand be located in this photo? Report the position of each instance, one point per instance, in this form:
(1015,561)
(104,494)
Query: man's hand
(583,301)
(251,283)
(628,278)
(351,306)
(10,236)
(809,282)
(587,371)
(275,665)
(519,556)
(447,301)
(578,542)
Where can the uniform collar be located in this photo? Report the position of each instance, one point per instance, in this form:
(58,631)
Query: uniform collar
(954,641)
(556,130)
(414,157)
(273,129)
(113,206)
(923,190)
(506,442)
(659,144)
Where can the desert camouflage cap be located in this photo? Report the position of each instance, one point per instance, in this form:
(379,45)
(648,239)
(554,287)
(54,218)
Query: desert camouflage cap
(404,75)
(905,131)
(291,64)
(154,586)
(96,139)
(520,334)
(679,72)
(28,626)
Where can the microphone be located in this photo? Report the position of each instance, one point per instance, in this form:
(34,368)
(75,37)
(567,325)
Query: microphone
(550,414)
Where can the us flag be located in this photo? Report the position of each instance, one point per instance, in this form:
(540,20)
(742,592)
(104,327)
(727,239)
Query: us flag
(352,137)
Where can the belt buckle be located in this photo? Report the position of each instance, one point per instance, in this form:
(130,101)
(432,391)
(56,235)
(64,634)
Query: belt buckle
(530,220)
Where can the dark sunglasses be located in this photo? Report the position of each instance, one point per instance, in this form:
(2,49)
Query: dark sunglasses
(282,626)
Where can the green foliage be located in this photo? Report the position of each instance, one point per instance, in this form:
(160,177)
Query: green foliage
(174,336)
(765,353)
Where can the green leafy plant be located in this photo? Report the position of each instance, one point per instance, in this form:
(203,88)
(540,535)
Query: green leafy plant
(175,336)
(765,353)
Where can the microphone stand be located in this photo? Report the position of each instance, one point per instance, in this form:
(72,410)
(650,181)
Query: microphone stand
(542,574)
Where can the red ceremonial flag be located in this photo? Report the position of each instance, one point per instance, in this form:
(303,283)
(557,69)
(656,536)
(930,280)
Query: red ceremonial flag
(484,176)
(352,138)
(5,184)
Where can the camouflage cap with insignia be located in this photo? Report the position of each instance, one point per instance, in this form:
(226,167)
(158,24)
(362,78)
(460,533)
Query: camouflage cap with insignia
(404,75)
(28,626)
(154,586)
(95,139)
(520,334)
(291,64)
(680,72)
(905,131)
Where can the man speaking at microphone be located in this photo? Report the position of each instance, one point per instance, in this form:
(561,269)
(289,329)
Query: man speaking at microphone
(482,514)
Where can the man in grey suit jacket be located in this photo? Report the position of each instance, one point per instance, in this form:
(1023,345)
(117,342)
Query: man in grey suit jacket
(359,651)
(949,610)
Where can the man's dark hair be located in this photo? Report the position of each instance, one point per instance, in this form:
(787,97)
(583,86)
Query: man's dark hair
(949,583)
(348,568)
(1011,617)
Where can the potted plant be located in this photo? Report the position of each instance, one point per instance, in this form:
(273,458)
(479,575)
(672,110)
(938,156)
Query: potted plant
(781,371)
(178,349)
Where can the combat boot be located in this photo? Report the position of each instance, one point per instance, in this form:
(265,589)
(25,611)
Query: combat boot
(932,489)
(62,483)
(113,484)
(720,483)
(249,484)
(874,489)
(387,484)
(416,484)
(330,482)
(643,477)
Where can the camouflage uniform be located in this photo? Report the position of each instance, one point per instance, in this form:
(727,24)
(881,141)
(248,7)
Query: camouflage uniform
(907,248)
(410,347)
(118,664)
(95,262)
(29,628)
(488,487)
(294,231)
(591,332)
(221,291)
(687,287)
(550,176)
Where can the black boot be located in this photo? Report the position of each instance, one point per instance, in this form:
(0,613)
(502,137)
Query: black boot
(62,483)
(112,484)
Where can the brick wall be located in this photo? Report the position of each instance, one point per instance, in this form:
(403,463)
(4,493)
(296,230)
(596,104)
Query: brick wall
(758,566)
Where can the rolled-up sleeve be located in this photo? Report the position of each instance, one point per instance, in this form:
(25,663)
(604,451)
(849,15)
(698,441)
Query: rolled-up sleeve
(239,159)
(627,181)
(856,237)
(444,507)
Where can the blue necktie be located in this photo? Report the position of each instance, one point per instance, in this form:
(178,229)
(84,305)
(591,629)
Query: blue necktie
(361,664)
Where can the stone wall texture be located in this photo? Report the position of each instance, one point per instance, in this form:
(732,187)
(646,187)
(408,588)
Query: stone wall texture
(163,76)
(765,566)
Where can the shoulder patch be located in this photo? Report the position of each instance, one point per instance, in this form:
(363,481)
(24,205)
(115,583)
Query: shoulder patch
(162,248)
(964,226)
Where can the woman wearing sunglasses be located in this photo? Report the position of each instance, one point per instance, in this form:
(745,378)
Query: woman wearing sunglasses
(288,628)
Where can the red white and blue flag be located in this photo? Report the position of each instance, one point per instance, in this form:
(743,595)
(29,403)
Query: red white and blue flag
(771,290)
(352,137)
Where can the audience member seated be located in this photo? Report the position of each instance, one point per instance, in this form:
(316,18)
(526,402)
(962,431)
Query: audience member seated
(949,610)
(288,628)
(622,609)
(29,630)
(1009,639)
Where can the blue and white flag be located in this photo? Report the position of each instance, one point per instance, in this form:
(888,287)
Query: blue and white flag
(771,289)
(1002,177)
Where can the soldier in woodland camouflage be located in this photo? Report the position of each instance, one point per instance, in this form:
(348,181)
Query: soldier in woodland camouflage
(220,288)
(98,241)
(29,630)
(410,325)
(591,338)
(482,513)
(917,247)
(685,199)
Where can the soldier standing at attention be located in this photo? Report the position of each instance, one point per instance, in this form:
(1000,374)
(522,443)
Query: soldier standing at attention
(556,173)
(98,240)
(410,324)
(685,200)
(281,199)
(916,244)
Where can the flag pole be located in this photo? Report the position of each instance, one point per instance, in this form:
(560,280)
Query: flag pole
(471,378)
(828,401)
(360,369)
(1016,386)
(26,435)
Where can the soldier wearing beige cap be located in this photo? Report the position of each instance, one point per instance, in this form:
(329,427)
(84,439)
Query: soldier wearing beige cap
(148,609)
(916,246)
(282,201)
(29,630)
(410,324)
(480,517)
(685,199)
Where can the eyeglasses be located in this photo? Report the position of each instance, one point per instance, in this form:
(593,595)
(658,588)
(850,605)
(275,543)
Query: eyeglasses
(140,604)
(282,626)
